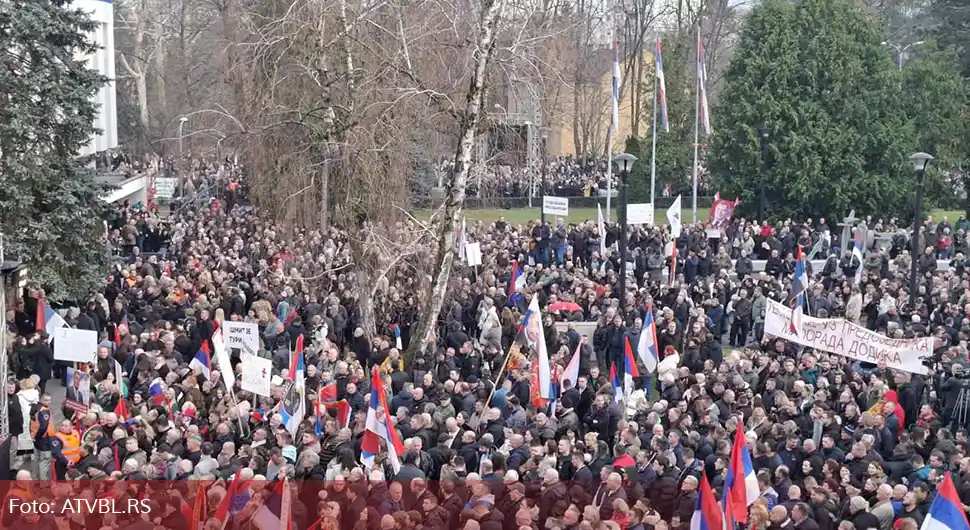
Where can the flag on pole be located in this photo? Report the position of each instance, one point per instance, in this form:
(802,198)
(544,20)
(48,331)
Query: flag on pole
(857,253)
(661,87)
(615,381)
(572,369)
(47,319)
(647,345)
(629,366)
(202,360)
(616,85)
(673,217)
(379,427)
(536,339)
(799,285)
(293,406)
(740,483)
(946,511)
(707,514)
(704,119)
(517,279)
(601,227)
(462,240)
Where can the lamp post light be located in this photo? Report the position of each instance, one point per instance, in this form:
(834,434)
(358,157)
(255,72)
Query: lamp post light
(624,164)
(920,161)
(182,121)
(763,138)
(901,51)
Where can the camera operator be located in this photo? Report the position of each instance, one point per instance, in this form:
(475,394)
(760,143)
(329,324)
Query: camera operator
(949,391)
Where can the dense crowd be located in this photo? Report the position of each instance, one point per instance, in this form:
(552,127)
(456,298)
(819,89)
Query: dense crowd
(835,443)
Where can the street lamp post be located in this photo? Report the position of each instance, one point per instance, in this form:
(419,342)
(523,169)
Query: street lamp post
(624,164)
(763,138)
(542,160)
(901,51)
(182,121)
(920,161)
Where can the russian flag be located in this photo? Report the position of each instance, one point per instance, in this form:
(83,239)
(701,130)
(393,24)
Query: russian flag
(47,319)
(707,514)
(661,87)
(157,390)
(202,360)
(517,280)
(946,512)
(647,345)
(629,366)
(740,483)
(615,381)
(379,427)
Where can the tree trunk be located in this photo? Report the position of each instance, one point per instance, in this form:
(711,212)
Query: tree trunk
(160,80)
(434,297)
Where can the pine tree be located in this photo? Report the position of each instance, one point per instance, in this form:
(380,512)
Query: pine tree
(50,206)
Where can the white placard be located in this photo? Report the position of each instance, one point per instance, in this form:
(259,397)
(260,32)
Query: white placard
(473,253)
(222,361)
(241,337)
(75,345)
(639,214)
(165,187)
(555,205)
(257,374)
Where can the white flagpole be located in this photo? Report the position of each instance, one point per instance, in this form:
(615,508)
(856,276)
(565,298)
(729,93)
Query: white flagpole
(609,166)
(697,115)
(653,151)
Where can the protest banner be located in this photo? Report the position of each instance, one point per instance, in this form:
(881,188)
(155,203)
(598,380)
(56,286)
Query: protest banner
(257,374)
(221,357)
(640,214)
(841,337)
(241,337)
(75,345)
(555,205)
(473,254)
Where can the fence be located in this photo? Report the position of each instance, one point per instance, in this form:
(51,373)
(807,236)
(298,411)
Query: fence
(513,203)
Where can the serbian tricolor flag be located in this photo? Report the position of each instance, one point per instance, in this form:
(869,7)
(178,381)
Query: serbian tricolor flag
(157,390)
(297,371)
(517,279)
(223,512)
(328,392)
(661,88)
(275,513)
(202,360)
(615,381)
(379,428)
(47,319)
(541,376)
(629,366)
(396,330)
(707,514)
(740,483)
(946,512)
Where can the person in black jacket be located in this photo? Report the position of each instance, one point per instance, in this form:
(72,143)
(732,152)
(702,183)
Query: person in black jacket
(43,360)
(663,491)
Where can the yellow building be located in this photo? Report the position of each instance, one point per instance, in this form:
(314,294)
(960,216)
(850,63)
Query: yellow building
(579,115)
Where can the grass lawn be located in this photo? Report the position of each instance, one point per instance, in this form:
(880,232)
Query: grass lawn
(578,215)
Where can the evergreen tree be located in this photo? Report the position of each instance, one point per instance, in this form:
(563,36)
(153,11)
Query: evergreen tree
(50,206)
(815,73)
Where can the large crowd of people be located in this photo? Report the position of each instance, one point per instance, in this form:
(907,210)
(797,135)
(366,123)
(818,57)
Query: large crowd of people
(835,443)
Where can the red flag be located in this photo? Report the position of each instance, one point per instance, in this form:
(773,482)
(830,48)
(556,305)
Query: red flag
(41,316)
(121,409)
(222,512)
(198,508)
(328,393)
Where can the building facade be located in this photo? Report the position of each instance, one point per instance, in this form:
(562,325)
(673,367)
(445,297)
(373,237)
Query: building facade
(103,61)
